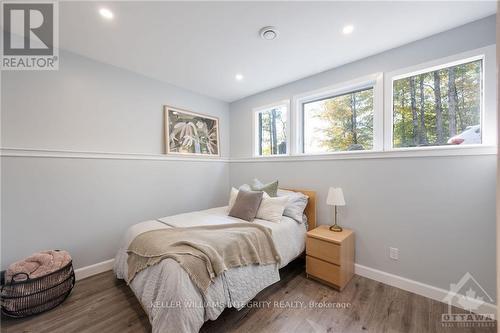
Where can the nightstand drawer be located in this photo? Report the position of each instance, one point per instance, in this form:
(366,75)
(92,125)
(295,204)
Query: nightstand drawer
(323,250)
(323,270)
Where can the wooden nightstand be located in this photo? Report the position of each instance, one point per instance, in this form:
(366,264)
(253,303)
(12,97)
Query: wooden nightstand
(330,256)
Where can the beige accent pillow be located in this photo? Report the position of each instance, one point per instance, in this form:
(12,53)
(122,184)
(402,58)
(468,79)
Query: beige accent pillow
(271,209)
(246,205)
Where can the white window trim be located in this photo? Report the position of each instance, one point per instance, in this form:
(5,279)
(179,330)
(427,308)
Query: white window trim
(255,137)
(488,108)
(374,80)
(382,118)
(368,154)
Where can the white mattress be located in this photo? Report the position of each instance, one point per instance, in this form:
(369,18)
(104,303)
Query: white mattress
(161,288)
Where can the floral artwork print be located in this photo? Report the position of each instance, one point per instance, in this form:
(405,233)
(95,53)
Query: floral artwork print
(191,133)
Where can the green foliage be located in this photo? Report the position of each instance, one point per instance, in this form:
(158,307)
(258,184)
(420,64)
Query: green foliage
(467,87)
(272,131)
(340,123)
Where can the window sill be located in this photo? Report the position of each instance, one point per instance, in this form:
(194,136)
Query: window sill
(395,153)
(271,156)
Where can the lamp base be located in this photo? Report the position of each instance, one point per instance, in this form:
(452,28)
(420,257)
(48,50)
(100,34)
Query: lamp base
(336,228)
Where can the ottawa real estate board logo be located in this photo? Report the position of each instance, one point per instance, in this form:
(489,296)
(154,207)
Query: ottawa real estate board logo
(30,35)
(469,295)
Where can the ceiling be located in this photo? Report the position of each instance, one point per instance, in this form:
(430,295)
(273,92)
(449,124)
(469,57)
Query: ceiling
(202,46)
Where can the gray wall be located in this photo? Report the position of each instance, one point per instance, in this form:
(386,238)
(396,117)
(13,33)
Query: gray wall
(439,211)
(91,106)
(85,205)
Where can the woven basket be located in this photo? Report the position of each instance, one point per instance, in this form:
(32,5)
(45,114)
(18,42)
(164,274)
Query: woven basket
(31,296)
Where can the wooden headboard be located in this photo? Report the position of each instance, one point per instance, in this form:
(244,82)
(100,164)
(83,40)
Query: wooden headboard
(310,210)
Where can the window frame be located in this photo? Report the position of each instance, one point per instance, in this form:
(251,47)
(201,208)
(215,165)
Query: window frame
(374,81)
(488,116)
(255,120)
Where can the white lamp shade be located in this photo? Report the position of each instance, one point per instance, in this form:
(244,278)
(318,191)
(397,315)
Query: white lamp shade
(335,197)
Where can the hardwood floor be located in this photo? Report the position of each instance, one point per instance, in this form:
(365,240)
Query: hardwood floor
(103,304)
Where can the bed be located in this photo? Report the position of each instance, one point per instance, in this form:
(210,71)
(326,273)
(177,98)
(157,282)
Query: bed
(169,297)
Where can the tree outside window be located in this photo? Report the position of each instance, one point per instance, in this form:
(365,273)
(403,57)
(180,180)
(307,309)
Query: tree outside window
(436,108)
(271,131)
(339,123)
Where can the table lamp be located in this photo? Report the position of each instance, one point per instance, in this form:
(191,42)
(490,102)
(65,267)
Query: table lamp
(335,198)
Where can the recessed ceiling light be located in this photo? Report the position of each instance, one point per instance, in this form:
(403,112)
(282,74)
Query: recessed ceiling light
(238,77)
(106,13)
(269,33)
(348,29)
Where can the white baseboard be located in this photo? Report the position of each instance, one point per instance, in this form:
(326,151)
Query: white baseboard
(100,267)
(415,287)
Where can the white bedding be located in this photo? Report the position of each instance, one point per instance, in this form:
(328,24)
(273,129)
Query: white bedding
(172,301)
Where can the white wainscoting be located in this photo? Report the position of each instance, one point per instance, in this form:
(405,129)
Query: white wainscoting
(48,153)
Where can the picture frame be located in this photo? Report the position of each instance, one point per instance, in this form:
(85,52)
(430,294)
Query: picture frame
(191,134)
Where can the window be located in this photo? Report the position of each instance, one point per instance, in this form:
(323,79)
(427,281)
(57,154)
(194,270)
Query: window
(442,107)
(438,107)
(271,130)
(339,123)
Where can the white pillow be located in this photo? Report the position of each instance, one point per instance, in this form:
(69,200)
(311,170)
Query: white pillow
(232,197)
(271,209)
(296,204)
(245,187)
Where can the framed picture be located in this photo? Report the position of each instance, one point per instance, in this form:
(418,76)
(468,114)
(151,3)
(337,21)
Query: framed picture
(189,133)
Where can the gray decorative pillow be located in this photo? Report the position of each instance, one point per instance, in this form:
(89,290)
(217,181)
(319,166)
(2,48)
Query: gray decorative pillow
(271,188)
(246,205)
(296,204)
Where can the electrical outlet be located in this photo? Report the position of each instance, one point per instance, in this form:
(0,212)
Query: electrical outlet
(394,253)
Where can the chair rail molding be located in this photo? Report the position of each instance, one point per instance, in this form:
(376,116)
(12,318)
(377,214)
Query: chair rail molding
(75,154)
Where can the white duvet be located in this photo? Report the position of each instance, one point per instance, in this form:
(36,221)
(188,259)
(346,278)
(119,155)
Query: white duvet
(172,301)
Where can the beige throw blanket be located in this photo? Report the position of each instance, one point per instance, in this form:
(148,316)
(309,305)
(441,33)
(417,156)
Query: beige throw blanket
(204,252)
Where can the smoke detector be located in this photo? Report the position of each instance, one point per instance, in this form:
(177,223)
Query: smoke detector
(269,33)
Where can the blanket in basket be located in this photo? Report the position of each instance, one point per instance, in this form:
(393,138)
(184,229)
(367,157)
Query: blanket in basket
(36,265)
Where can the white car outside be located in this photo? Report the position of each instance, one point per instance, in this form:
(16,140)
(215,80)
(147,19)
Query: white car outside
(471,135)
